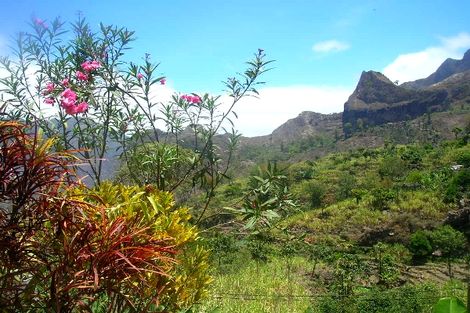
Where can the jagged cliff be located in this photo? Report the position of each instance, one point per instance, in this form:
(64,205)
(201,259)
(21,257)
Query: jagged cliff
(307,124)
(400,111)
(376,100)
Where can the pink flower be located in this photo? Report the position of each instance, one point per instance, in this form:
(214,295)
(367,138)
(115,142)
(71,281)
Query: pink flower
(69,94)
(191,99)
(82,107)
(89,66)
(71,109)
(162,81)
(67,103)
(81,76)
(140,76)
(40,22)
(65,82)
(195,99)
(49,89)
(50,101)
(68,100)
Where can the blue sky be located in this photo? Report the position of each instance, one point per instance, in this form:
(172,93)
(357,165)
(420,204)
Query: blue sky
(320,47)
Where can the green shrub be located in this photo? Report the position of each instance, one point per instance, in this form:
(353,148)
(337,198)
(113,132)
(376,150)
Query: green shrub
(409,299)
(346,185)
(412,157)
(392,167)
(154,210)
(387,265)
(381,198)
(159,164)
(223,246)
(420,246)
(311,192)
(301,171)
(462,156)
(449,242)
(459,185)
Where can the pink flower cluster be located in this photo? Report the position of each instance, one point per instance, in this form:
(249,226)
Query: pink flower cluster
(49,89)
(68,101)
(41,23)
(68,98)
(192,99)
(81,76)
(89,66)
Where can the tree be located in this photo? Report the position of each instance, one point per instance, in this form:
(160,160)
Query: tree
(420,246)
(311,192)
(450,242)
(102,103)
(386,264)
(457,131)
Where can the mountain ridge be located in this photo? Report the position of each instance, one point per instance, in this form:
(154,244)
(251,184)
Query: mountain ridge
(448,68)
(378,110)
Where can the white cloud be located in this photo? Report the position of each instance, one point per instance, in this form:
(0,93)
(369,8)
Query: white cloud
(275,105)
(162,93)
(330,46)
(416,65)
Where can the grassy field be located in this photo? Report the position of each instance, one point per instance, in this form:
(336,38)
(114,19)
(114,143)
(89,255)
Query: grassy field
(260,288)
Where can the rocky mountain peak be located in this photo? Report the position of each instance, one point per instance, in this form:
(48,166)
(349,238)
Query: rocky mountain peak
(372,89)
(466,56)
(376,100)
(447,69)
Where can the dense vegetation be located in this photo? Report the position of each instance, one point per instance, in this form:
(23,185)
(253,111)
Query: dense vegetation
(371,230)
(179,230)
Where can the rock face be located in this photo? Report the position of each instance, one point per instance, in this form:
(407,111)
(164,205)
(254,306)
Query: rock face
(376,100)
(307,124)
(447,69)
(400,109)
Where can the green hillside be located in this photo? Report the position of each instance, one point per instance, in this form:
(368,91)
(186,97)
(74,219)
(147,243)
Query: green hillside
(352,236)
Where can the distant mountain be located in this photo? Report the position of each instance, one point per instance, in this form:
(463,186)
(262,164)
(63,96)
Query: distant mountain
(376,101)
(307,124)
(447,69)
(377,111)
